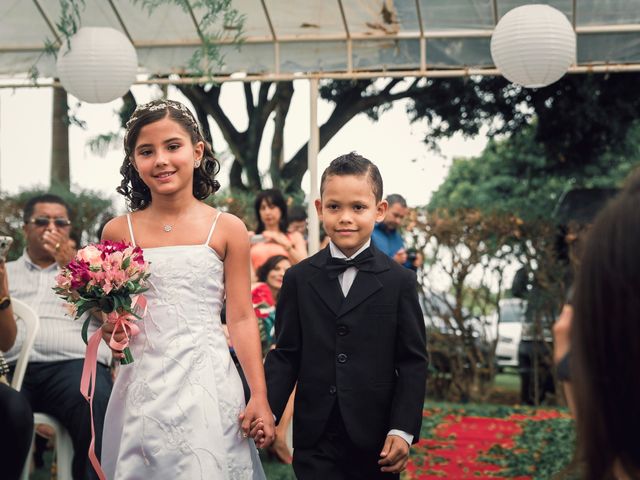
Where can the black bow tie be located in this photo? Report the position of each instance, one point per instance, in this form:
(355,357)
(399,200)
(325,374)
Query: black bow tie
(364,261)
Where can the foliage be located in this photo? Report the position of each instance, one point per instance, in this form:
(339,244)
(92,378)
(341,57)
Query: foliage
(527,442)
(543,451)
(207,59)
(577,119)
(471,250)
(513,176)
(88,210)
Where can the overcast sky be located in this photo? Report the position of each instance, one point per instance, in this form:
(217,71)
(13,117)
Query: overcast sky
(407,166)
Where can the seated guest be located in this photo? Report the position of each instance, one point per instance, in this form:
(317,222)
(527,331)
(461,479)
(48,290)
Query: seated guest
(271,236)
(265,295)
(16,416)
(52,380)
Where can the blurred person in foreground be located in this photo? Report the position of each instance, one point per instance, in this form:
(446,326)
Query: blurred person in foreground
(603,330)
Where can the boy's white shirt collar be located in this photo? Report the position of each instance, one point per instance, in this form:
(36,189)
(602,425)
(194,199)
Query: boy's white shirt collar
(346,280)
(337,253)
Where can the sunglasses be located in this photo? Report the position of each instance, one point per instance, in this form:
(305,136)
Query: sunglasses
(45,221)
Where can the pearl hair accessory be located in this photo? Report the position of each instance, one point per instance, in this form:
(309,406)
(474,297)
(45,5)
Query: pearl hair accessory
(154,106)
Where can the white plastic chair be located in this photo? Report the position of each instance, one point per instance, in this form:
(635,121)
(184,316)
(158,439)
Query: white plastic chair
(32,325)
(64,447)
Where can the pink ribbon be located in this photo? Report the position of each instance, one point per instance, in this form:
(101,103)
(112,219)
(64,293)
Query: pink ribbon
(122,321)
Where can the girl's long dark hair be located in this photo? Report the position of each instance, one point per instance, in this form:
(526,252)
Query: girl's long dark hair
(605,339)
(273,198)
(132,187)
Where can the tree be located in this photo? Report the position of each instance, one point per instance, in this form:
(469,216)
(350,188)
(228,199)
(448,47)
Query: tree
(577,119)
(514,176)
(264,100)
(60,139)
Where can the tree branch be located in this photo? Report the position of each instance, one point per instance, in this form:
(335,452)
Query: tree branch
(284,94)
(248,97)
(210,103)
(347,107)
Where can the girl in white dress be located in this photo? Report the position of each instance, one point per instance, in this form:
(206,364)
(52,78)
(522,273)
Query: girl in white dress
(174,412)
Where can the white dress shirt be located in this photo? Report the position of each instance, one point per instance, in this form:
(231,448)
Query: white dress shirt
(59,337)
(346,279)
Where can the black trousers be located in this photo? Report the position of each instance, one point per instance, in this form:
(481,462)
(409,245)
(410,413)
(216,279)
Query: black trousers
(336,457)
(54,388)
(16,425)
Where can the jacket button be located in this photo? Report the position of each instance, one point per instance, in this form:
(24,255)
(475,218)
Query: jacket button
(342,358)
(333,389)
(342,330)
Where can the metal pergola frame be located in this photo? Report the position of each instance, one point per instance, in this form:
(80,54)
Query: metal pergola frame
(348,37)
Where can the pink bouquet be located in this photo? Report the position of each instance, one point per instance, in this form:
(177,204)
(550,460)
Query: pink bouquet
(108,277)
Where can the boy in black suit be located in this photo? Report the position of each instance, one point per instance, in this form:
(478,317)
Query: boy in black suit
(350,332)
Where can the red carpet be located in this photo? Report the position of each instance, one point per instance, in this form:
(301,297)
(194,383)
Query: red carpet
(458,445)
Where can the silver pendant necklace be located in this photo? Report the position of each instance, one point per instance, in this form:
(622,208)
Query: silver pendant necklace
(167,228)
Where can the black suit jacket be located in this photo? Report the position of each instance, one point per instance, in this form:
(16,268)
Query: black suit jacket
(366,351)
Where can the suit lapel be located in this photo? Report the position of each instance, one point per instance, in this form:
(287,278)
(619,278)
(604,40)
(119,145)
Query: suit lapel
(365,283)
(328,289)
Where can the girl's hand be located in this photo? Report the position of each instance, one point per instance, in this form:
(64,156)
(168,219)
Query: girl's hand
(258,414)
(107,334)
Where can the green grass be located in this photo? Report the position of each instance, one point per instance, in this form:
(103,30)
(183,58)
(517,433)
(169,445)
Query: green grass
(509,380)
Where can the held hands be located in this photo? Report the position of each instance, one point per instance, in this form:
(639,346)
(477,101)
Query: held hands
(257,422)
(394,455)
(59,246)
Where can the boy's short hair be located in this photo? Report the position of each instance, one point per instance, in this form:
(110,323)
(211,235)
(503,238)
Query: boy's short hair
(354,164)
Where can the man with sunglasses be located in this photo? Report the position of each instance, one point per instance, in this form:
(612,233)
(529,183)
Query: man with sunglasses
(52,379)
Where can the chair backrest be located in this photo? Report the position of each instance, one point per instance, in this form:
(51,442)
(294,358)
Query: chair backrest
(31,324)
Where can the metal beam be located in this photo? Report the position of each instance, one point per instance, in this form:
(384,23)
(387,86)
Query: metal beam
(120,21)
(465,72)
(440,34)
(48,22)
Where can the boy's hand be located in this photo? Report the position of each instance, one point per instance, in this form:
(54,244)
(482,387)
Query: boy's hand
(257,421)
(394,455)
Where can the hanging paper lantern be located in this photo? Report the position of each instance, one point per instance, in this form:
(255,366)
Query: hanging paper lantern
(99,67)
(533,45)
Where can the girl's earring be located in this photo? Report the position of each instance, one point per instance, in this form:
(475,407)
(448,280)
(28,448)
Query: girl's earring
(196,164)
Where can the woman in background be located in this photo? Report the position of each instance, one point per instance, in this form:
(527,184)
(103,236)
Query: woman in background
(271,236)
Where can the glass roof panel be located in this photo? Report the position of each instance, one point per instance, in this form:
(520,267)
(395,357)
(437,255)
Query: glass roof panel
(458,53)
(457,14)
(609,48)
(313,56)
(372,17)
(304,18)
(599,12)
(386,54)
(565,6)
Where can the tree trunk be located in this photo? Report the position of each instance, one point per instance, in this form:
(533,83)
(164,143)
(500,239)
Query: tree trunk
(60,140)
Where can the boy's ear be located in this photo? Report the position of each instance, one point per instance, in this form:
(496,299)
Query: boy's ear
(318,204)
(381,210)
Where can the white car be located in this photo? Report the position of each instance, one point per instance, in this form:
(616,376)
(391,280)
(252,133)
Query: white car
(512,318)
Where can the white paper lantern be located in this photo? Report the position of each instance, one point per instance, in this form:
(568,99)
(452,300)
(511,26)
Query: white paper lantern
(100,66)
(533,45)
